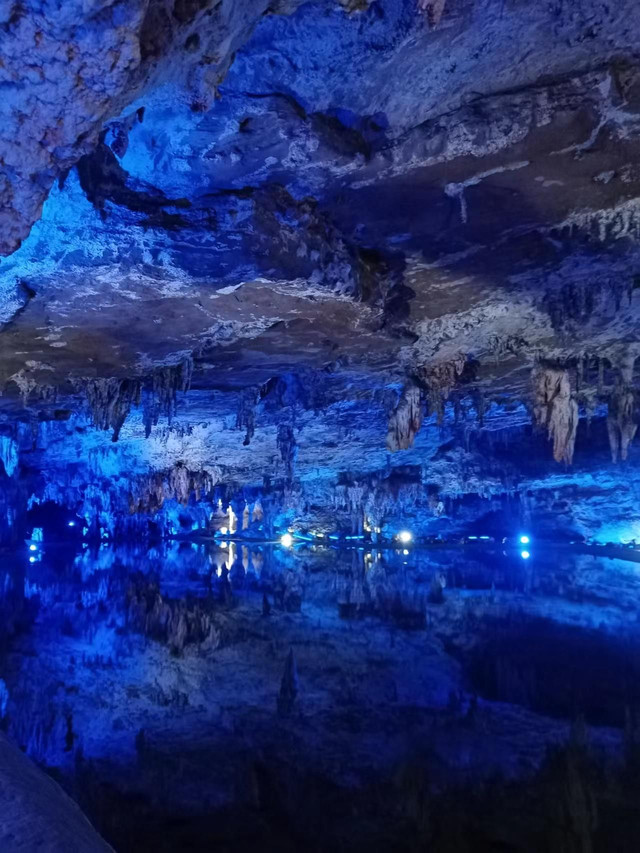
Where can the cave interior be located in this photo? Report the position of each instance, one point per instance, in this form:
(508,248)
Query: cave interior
(319,487)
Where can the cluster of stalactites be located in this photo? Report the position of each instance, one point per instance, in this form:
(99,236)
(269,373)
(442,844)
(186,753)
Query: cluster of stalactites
(440,379)
(556,409)
(161,395)
(110,399)
(149,493)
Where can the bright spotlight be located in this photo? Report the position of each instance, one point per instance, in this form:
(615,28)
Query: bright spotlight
(287,540)
(32,559)
(33,547)
(405,552)
(71,523)
(524,540)
(525,555)
(405,537)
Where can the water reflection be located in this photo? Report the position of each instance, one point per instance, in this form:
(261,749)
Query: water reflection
(99,645)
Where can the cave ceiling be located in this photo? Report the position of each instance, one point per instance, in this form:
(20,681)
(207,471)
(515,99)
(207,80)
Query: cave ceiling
(316,224)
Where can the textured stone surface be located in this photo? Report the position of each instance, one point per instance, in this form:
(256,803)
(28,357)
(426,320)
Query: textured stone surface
(36,813)
(367,228)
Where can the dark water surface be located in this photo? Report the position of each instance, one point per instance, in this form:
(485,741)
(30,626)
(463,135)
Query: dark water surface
(148,681)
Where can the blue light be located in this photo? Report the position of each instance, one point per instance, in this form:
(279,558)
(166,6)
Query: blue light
(524,540)
(525,555)
(33,547)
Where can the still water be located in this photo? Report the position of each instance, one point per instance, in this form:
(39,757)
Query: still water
(147,680)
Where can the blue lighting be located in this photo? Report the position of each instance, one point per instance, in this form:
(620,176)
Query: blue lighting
(524,540)
(525,555)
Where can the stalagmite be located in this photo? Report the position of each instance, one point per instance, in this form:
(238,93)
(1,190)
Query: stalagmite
(406,420)
(556,409)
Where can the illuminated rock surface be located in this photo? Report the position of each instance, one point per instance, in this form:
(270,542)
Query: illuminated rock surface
(36,813)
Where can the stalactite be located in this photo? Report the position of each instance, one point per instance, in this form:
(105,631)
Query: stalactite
(246,416)
(556,409)
(110,400)
(161,392)
(288,449)
(440,379)
(433,9)
(600,375)
(8,454)
(621,422)
(406,420)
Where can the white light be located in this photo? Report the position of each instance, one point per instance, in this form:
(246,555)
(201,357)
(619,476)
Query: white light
(405,537)
(287,540)
(223,530)
(72,524)
(405,552)
(32,559)
(33,547)
(524,540)
(525,555)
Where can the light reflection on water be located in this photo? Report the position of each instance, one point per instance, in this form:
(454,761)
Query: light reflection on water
(96,620)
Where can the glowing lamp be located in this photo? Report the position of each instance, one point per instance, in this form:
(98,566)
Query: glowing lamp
(405,552)
(524,540)
(32,559)
(223,530)
(71,523)
(33,547)
(405,537)
(287,540)
(525,555)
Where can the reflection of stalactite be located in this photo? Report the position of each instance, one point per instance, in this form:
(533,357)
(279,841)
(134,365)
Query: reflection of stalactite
(556,409)
(621,422)
(288,449)
(288,686)
(406,420)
